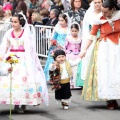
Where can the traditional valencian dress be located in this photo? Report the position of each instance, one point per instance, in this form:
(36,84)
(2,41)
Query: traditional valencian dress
(28,79)
(88,22)
(65,75)
(73,47)
(59,36)
(103,74)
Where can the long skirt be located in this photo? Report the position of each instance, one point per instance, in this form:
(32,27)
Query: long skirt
(64,92)
(103,74)
(90,88)
(28,83)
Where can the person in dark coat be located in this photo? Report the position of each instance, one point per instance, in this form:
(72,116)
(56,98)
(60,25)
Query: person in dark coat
(54,13)
(49,5)
(117,4)
(36,19)
(85,4)
(44,15)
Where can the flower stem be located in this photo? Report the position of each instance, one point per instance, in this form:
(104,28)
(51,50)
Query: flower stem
(11,95)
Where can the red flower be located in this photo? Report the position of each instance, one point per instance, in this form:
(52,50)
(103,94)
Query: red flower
(38,94)
(17,102)
(54,42)
(8,58)
(24,79)
(27,95)
(3,102)
(35,95)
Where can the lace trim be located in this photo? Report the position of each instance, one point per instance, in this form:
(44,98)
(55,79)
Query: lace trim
(100,21)
(12,34)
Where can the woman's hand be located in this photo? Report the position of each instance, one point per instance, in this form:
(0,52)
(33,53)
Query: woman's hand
(82,54)
(60,47)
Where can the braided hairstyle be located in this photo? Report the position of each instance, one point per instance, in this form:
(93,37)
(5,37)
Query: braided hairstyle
(75,26)
(21,19)
(64,16)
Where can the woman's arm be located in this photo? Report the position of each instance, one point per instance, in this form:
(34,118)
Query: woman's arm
(91,37)
(83,53)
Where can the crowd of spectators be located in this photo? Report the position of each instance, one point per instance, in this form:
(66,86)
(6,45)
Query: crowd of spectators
(42,12)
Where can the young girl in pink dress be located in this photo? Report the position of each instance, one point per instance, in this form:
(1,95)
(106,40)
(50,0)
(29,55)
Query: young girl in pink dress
(73,46)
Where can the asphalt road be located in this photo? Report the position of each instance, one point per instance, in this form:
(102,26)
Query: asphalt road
(78,110)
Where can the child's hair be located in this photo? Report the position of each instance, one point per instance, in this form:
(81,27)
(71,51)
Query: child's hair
(21,19)
(64,16)
(75,26)
(58,52)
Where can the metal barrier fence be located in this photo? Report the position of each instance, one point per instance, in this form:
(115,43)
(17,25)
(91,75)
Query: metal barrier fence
(4,26)
(43,35)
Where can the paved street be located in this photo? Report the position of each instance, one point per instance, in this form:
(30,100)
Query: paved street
(79,109)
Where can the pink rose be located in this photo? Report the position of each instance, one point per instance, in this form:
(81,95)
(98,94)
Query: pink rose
(21,47)
(38,94)
(27,95)
(3,102)
(35,95)
(17,102)
(30,103)
(24,79)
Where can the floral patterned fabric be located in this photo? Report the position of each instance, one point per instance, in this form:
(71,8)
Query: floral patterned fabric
(102,77)
(28,80)
(90,88)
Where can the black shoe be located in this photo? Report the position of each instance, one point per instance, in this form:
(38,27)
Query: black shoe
(18,110)
(115,103)
(23,107)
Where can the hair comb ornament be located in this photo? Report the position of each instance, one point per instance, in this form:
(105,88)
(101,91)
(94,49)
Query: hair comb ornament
(21,18)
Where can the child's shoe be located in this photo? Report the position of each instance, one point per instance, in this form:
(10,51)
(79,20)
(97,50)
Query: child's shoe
(23,107)
(66,107)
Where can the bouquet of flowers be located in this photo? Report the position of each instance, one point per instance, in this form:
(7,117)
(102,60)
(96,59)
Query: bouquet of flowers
(11,59)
